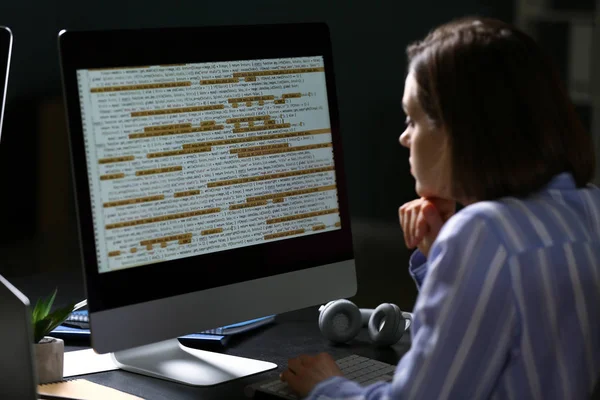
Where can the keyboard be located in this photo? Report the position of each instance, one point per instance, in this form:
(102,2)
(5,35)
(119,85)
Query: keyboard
(362,370)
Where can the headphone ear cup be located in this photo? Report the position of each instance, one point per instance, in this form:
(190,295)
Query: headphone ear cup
(340,321)
(386,325)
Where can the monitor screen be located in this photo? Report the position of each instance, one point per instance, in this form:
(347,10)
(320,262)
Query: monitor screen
(196,158)
(5,53)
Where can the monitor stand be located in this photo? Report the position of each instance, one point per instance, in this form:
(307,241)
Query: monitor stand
(172,361)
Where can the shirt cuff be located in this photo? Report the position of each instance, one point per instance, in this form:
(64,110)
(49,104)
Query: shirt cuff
(330,388)
(417,267)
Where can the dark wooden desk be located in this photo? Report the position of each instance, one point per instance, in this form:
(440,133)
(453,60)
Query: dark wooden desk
(292,334)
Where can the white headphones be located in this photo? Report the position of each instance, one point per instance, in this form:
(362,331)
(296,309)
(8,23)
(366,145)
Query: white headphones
(341,320)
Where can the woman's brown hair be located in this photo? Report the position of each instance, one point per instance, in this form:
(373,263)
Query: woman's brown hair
(510,123)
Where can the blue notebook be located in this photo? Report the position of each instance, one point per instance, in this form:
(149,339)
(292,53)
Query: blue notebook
(76,326)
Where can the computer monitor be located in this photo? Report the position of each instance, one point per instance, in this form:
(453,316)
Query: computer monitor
(209,181)
(5,53)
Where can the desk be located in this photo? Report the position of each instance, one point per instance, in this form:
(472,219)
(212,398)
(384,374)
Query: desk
(292,334)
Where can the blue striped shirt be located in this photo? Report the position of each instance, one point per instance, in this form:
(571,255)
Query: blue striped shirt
(509,304)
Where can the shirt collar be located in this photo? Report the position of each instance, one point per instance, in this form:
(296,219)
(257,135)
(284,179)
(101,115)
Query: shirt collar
(562,181)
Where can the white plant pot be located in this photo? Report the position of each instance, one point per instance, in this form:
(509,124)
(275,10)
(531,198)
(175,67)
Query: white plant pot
(49,359)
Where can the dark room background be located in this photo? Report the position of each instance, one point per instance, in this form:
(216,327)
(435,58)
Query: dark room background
(37,214)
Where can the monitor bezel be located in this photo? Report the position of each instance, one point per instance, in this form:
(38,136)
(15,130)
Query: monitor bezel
(120,48)
(6,40)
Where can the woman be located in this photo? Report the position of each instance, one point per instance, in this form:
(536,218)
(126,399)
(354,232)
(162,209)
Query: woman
(509,285)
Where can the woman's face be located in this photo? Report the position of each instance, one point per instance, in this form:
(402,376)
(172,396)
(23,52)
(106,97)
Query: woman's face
(429,155)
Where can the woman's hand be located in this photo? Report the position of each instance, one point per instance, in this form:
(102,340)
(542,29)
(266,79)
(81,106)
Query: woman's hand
(305,372)
(422,219)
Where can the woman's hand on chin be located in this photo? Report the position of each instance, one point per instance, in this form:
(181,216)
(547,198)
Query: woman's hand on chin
(422,219)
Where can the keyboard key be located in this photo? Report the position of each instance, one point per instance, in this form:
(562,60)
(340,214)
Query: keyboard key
(270,384)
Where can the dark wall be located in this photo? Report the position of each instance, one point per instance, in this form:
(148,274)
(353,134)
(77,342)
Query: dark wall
(368,37)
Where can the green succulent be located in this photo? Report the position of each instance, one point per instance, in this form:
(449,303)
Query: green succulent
(45,321)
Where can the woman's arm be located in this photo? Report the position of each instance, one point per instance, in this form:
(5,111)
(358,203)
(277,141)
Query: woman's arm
(421,221)
(463,327)
(417,268)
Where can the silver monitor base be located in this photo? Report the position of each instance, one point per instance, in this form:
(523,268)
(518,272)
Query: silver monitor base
(172,361)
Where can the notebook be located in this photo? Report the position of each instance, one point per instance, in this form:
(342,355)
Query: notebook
(76,327)
(82,389)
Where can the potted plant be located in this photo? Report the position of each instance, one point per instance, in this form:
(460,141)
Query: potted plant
(49,351)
